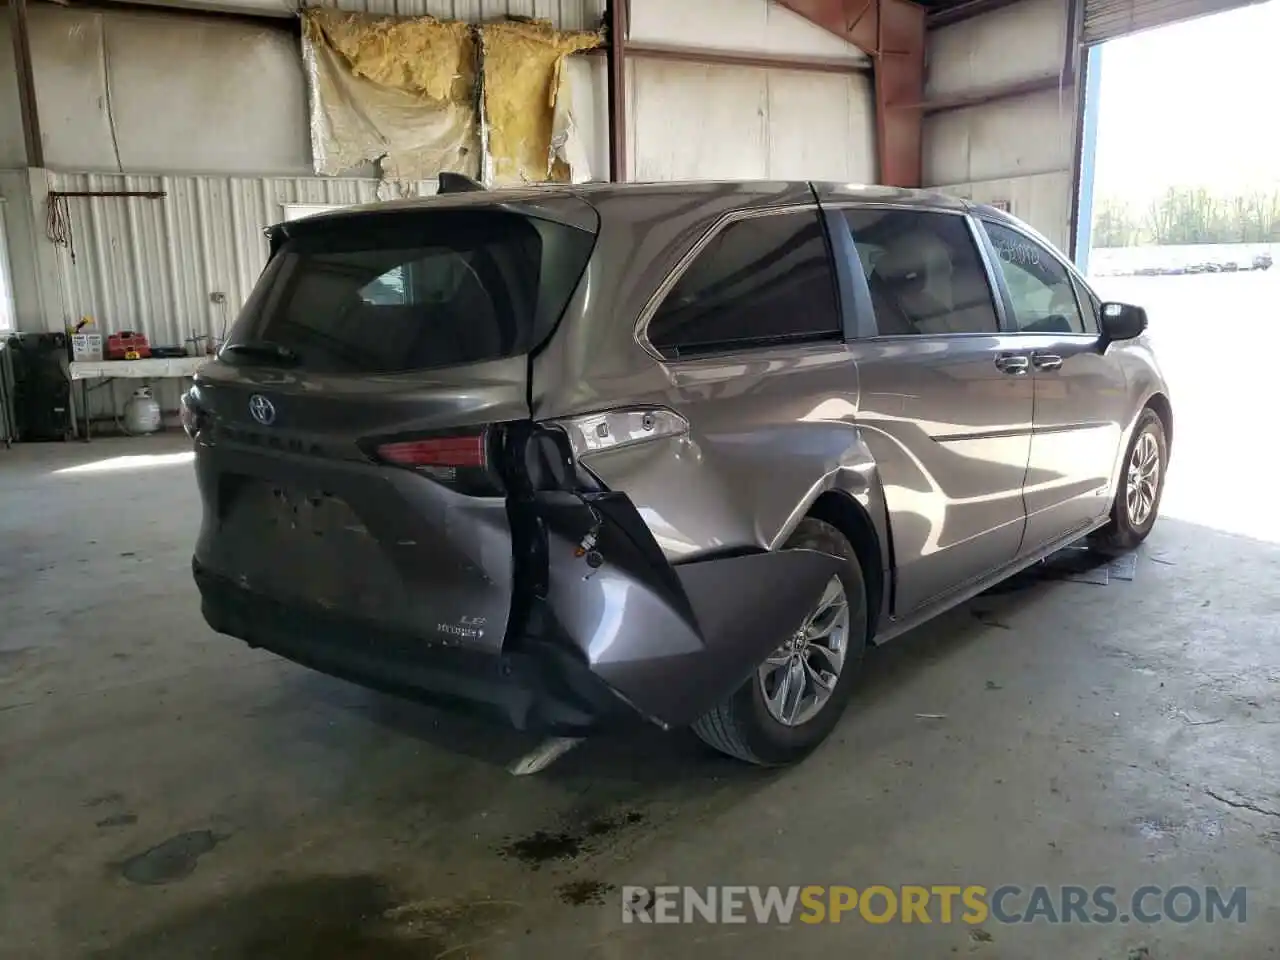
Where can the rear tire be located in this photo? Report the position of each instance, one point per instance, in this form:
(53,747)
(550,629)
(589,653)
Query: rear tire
(1137,501)
(744,726)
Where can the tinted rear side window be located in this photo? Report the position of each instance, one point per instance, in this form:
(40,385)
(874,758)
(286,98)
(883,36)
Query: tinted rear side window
(395,293)
(924,271)
(761,281)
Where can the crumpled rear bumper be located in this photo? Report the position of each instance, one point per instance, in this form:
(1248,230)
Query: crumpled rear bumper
(673,640)
(590,646)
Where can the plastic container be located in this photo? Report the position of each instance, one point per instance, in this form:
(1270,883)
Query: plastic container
(86,347)
(142,413)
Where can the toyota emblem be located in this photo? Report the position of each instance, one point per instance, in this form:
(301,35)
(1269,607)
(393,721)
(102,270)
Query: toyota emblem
(263,410)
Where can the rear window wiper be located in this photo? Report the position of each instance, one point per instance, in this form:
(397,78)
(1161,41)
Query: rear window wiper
(264,350)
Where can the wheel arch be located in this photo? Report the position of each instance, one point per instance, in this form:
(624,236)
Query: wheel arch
(1163,409)
(851,518)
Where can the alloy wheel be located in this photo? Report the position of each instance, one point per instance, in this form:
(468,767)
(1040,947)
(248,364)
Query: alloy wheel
(799,677)
(1143,479)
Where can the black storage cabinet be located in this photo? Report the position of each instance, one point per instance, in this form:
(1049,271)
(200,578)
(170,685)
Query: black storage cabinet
(41,392)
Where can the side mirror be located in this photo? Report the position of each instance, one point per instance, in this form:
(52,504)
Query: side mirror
(1123,321)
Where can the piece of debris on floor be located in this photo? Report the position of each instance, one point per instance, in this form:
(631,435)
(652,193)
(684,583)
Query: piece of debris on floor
(1123,567)
(978,935)
(992,685)
(1077,564)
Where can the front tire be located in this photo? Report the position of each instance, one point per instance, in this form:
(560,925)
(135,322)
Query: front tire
(771,720)
(1137,502)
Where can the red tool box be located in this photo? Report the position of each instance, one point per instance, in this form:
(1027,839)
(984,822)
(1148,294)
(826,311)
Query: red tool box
(127,345)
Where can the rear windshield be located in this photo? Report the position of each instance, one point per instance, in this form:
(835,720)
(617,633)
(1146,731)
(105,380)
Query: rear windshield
(395,293)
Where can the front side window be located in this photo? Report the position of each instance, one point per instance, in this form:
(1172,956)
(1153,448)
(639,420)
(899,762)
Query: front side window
(924,271)
(1040,288)
(1090,304)
(761,281)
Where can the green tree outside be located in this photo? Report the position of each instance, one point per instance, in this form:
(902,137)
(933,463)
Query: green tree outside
(1188,215)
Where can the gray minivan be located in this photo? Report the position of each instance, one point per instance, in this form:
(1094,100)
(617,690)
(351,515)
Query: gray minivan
(678,452)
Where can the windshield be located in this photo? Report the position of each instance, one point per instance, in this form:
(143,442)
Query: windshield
(391,294)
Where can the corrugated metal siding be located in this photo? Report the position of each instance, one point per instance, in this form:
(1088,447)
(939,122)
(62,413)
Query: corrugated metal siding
(1106,19)
(153,265)
(565,14)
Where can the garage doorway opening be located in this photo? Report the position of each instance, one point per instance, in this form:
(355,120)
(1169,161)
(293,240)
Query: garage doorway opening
(1180,214)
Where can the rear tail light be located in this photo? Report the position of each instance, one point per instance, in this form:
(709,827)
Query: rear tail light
(464,451)
(611,429)
(460,461)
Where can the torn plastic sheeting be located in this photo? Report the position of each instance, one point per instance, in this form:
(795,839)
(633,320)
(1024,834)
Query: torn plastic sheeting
(529,139)
(401,90)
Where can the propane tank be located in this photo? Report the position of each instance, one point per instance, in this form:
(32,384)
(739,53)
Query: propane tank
(142,412)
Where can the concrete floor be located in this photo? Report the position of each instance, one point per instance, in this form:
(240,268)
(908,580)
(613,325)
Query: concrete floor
(1125,734)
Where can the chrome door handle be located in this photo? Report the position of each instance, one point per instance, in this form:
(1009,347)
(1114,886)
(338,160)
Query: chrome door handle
(1047,361)
(1013,364)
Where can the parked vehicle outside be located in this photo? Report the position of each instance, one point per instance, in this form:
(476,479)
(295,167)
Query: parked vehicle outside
(671,452)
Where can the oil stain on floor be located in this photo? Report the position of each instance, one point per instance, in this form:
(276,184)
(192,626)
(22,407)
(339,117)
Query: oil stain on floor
(169,861)
(544,846)
(321,918)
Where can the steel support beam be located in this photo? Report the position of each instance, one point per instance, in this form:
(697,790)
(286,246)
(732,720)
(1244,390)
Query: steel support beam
(616,16)
(26,83)
(891,32)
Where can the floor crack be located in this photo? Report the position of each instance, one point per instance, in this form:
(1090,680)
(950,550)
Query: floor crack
(1243,804)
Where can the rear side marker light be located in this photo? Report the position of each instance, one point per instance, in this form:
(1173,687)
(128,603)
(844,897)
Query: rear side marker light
(611,429)
(465,451)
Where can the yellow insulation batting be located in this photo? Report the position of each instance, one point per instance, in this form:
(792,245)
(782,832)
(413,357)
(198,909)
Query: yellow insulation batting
(522,82)
(421,55)
(398,89)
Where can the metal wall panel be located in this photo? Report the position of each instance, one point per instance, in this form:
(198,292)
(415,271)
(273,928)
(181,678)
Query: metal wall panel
(1023,137)
(692,121)
(13,151)
(735,26)
(142,91)
(565,14)
(1020,42)
(1043,200)
(156,265)
(1018,151)
(1106,19)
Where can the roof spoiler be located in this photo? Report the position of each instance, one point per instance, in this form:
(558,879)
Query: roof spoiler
(458,183)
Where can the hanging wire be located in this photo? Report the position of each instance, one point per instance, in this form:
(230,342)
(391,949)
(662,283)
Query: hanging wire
(59,224)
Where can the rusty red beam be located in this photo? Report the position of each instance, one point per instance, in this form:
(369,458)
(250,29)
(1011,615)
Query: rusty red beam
(891,32)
